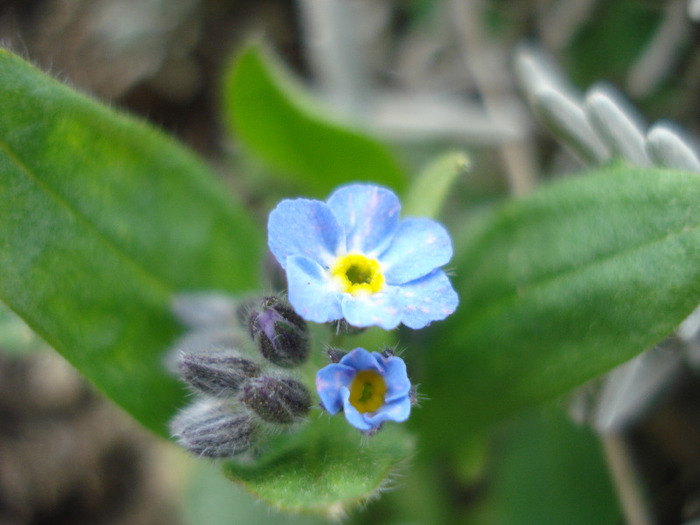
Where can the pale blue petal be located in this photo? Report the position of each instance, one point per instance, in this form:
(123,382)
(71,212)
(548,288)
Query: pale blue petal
(353,416)
(369,215)
(397,410)
(304,227)
(329,382)
(419,246)
(361,359)
(311,291)
(428,299)
(381,309)
(396,379)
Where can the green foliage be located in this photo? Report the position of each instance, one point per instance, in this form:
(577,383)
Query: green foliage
(427,194)
(103,218)
(15,336)
(324,468)
(549,471)
(613,38)
(211,499)
(270,115)
(559,287)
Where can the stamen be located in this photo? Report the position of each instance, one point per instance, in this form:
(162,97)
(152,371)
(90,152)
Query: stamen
(357,274)
(367,391)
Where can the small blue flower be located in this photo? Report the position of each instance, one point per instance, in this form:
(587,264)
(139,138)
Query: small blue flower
(370,388)
(350,257)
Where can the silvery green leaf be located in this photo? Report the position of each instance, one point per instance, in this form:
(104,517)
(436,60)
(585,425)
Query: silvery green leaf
(667,147)
(689,335)
(617,124)
(567,121)
(630,388)
(535,71)
(202,309)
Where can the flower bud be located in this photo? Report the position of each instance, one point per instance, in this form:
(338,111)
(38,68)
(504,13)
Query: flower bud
(276,400)
(334,354)
(219,374)
(280,333)
(213,431)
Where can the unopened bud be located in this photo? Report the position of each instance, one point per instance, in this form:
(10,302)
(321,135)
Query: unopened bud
(219,374)
(334,354)
(276,400)
(213,431)
(280,333)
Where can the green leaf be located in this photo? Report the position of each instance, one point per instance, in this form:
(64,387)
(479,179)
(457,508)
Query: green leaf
(428,192)
(271,116)
(559,287)
(550,472)
(325,468)
(212,499)
(612,38)
(16,338)
(103,218)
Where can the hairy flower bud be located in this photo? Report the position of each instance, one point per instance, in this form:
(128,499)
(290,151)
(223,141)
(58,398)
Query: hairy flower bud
(334,354)
(219,374)
(213,431)
(276,400)
(280,334)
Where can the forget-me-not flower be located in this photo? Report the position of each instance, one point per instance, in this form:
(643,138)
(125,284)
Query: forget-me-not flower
(351,257)
(370,388)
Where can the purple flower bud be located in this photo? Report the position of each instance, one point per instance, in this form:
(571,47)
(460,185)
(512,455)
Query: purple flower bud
(280,334)
(219,374)
(213,431)
(276,400)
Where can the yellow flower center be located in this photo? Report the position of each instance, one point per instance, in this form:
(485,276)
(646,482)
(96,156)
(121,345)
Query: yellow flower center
(357,274)
(367,391)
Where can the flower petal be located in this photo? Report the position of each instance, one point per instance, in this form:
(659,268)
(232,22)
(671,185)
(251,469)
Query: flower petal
(397,410)
(353,416)
(428,299)
(330,380)
(396,379)
(369,215)
(419,246)
(311,291)
(381,309)
(361,359)
(304,227)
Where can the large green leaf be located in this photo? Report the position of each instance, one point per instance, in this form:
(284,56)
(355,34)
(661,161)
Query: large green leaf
(325,468)
(273,118)
(103,218)
(549,471)
(559,287)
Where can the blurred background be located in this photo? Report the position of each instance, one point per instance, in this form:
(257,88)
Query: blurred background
(424,76)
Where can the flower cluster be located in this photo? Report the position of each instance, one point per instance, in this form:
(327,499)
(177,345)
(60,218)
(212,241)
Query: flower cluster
(238,394)
(349,260)
(352,259)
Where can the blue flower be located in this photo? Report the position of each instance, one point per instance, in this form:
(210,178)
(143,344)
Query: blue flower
(350,257)
(370,388)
